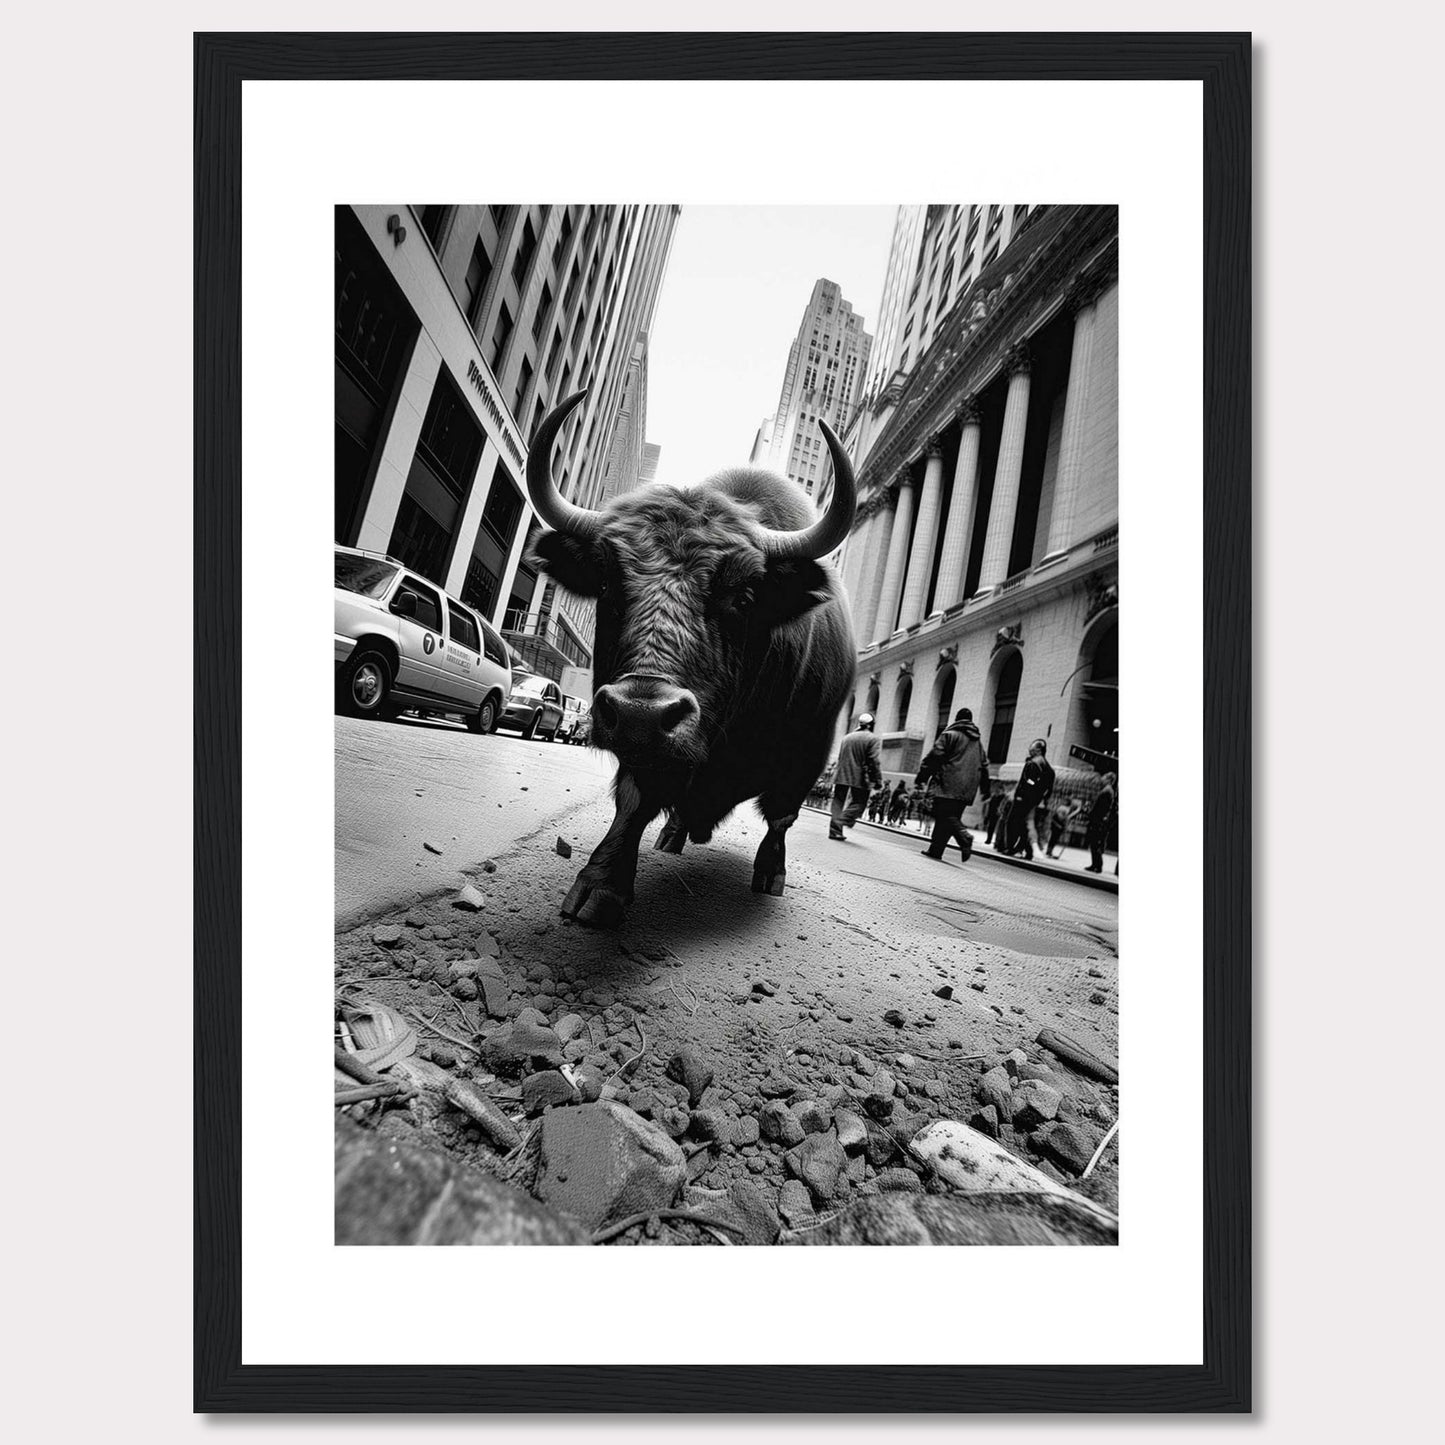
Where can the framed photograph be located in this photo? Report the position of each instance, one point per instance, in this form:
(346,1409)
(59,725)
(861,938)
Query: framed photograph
(765,486)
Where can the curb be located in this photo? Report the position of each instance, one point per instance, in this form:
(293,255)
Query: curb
(1107,882)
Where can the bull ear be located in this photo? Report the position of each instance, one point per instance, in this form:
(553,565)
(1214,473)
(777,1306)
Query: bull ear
(572,561)
(788,590)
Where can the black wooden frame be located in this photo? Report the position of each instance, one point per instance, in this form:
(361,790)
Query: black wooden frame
(1222,63)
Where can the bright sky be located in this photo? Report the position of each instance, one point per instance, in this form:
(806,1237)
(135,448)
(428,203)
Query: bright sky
(737,284)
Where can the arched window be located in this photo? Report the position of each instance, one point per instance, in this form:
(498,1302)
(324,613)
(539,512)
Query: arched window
(905,696)
(1005,701)
(943,699)
(872,705)
(1101,694)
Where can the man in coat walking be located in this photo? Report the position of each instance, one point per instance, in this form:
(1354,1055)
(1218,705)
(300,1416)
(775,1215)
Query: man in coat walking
(958,769)
(1035,785)
(860,767)
(1100,816)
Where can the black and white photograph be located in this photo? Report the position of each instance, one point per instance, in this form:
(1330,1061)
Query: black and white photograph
(727,724)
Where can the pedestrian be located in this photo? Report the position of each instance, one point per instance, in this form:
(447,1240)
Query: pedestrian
(859,769)
(1035,785)
(1061,819)
(958,770)
(898,804)
(1100,816)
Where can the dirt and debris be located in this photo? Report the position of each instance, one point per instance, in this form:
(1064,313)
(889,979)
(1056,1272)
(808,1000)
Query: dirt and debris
(726,1087)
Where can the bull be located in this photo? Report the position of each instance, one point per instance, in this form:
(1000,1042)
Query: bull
(722,654)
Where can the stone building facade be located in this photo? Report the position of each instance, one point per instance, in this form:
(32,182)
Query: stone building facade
(982,569)
(457,329)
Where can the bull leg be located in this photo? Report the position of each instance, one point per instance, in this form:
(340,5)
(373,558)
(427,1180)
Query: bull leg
(770,870)
(674,833)
(603,888)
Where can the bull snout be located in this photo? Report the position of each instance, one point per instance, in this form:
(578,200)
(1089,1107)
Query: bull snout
(644,719)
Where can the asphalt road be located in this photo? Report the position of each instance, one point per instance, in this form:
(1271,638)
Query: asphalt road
(406,788)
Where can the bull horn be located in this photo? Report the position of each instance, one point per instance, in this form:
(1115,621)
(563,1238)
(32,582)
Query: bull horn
(547,501)
(834,525)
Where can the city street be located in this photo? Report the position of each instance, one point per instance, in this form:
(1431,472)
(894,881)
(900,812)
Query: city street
(847,965)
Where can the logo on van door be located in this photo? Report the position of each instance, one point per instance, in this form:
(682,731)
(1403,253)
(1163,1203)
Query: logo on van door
(428,643)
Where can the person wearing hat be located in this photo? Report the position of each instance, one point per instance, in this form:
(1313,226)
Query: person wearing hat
(959,770)
(860,768)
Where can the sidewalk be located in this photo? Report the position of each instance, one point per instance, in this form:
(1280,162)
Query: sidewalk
(1071,864)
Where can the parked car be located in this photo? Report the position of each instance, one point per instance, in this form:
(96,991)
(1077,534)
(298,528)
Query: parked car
(535,706)
(401,642)
(574,709)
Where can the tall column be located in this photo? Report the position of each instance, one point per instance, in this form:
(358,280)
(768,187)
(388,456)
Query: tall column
(870,579)
(853,559)
(958,535)
(1003,509)
(469,521)
(897,563)
(1076,410)
(925,534)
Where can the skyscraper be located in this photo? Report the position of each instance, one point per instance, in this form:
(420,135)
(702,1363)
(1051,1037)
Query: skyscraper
(824,379)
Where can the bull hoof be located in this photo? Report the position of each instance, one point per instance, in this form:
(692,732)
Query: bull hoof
(670,840)
(594,906)
(769,883)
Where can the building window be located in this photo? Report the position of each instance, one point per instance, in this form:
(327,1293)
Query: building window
(499,216)
(450,441)
(560,249)
(572,283)
(480,590)
(553,352)
(503,508)
(543,307)
(524,380)
(479,272)
(992,255)
(1005,703)
(434,224)
(523,259)
(537,413)
(500,336)
(420,542)
(995,220)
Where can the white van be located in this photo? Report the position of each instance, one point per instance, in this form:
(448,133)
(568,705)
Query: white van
(401,642)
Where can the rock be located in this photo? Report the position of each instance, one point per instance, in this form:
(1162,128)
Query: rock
(564,848)
(569,1027)
(1097,997)
(906,1062)
(470,900)
(881,1147)
(1014,1060)
(864,1065)
(794,1205)
(545,1004)
(1038,1072)
(601,1163)
(995,1088)
(711,1124)
(531,1014)
(985,1120)
(1096,973)
(779,1125)
(575,1051)
(589,1082)
(934,1090)
(818,1161)
(519,1046)
(974,1219)
(878,1105)
(884,1082)
(1035,1104)
(899,1180)
(494,994)
(776,1086)
(545,1090)
(1070,1146)
(749,1206)
(746,1131)
(387,935)
(432,848)
(460,968)
(978,985)
(496,1127)
(675,1120)
(895,1018)
(442,1056)
(764,986)
(465,989)
(390,1192)
(813,1116)
(852,1131)
(687,1068)
(946,992)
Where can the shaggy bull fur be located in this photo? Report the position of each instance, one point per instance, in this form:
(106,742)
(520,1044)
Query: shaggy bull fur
(686,593)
